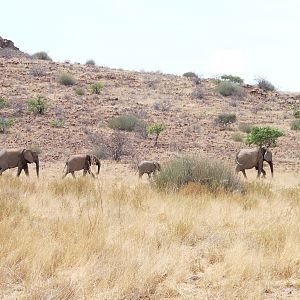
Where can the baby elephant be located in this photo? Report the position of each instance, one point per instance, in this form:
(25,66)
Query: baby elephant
(149,167)
(81,162)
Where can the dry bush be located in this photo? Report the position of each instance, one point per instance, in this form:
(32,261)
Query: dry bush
(113,146)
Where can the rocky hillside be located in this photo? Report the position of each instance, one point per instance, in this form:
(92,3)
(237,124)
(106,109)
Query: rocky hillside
(187,108)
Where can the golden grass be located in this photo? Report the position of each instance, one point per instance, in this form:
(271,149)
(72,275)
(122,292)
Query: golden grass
(120,239)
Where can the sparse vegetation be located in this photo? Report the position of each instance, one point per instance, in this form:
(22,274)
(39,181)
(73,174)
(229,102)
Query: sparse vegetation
(156,129)
(57,123)
(225,119)
(79,91)
(235,79)
(5,124)
(66,79)
(42,55)
(200,170)
(264,84)
(245,127)
(90,62)
(228,88)
(3,102)
(38,71)
(295,125)
(163,105)
(296,112)
(198,93)
(97,87)
(124,122)
(37,105)
(237,137)
(263,136)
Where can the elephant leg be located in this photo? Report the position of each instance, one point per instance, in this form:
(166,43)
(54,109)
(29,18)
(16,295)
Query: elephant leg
(73,174)
(65,174)
(2,170)
(20,168)
(244,173)
(91,173)
(264,173)
(149,175)
(84,172)
(26,170)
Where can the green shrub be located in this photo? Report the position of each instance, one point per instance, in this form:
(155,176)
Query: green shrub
(124,122)
(157,130)
(228,88)
(79,91)
(235,79)
(90,62)
(190,75)
(3,102)
(295,125)
(57,123)
(97,87)
(202,170)
(264,84)
(5,124)
(245,127)
(37,105)
(263,136)
(237,137)
(66,79)
(225,119)
(41,55)
(296,113)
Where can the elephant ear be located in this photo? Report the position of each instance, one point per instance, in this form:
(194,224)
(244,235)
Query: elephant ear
(28,156)
(268,155)
(88,160)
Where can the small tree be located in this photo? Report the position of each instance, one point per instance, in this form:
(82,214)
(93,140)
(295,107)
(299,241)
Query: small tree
(156,129)
(263,136)
(235,79)
(97,87)
(37,105)
(5,124)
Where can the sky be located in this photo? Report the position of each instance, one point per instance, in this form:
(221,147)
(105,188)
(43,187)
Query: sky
(249,39)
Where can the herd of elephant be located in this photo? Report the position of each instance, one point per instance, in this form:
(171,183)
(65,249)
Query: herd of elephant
(20,158)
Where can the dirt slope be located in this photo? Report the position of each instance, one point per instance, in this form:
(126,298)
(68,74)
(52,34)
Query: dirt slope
(153,97)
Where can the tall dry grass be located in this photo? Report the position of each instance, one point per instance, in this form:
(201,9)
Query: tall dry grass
(121,239)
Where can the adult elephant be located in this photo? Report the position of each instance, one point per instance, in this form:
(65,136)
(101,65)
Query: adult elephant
(83,162)
(12,158)
(253,158)
(149,167)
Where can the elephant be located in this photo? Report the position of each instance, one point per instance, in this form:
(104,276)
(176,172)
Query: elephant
(149,167)
(253,158)
(12,158)
(81,162)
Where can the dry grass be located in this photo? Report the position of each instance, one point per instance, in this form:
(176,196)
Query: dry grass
(114,239)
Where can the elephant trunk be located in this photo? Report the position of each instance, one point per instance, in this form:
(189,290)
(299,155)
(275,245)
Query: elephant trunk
(98,165)
(271,167)
(37,166)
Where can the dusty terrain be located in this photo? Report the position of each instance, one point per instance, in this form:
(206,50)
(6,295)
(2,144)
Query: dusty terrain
(154,97)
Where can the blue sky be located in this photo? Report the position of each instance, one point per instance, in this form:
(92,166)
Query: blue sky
(246,38)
